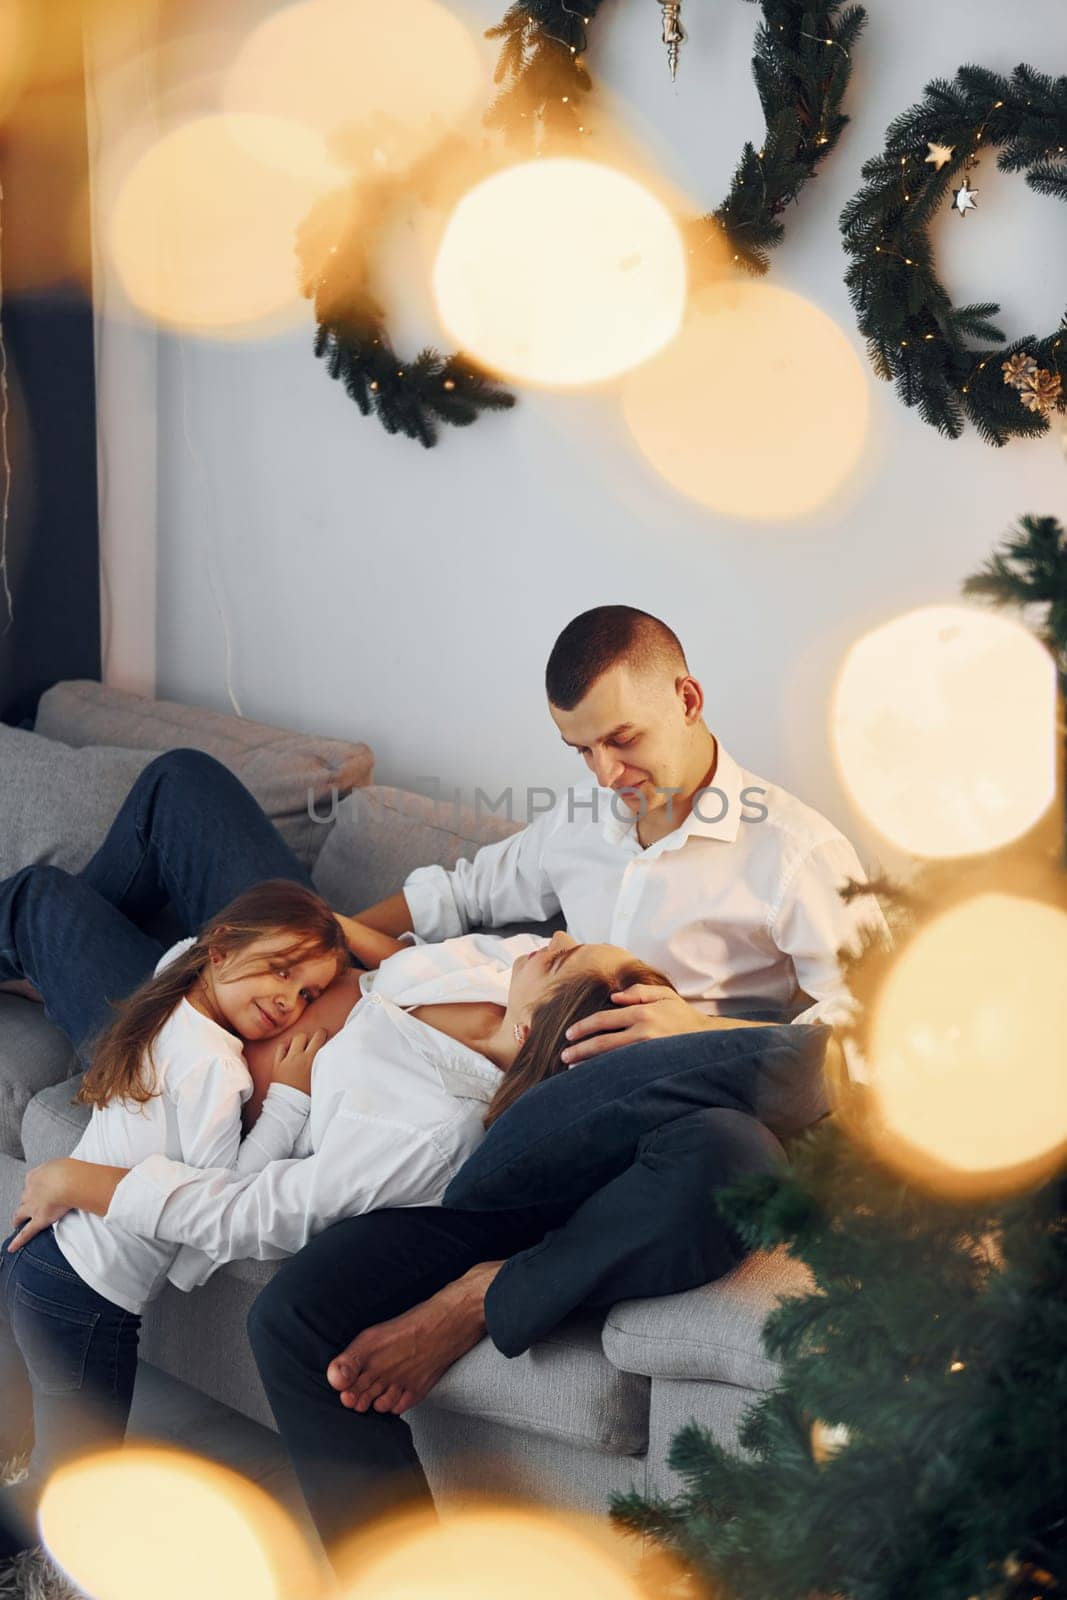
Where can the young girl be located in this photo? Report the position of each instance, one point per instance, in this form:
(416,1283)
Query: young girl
(168,1077)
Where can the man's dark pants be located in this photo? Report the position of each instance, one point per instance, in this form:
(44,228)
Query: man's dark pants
(189,837)
(653,1230)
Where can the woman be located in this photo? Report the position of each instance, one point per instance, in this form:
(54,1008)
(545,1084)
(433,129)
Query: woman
(439,1042)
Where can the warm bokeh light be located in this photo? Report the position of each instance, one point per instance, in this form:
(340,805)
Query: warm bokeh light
(14,46)
(380,83)
(943,726)
(481,1553)
(145,1520)
(758,409)
(202,229)
(968,1047)
(560,272)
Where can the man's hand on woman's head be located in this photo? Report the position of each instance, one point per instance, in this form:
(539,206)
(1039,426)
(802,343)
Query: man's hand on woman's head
(644,1011)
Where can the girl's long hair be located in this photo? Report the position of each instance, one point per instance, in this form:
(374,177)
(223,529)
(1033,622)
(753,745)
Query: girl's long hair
(122,1066)
(570,1001)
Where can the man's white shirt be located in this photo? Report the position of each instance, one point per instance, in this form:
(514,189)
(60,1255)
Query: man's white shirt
(740,902)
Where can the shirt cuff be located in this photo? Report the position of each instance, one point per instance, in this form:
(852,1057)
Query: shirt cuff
(434,916)
(834,1010)
(138,1201)
(290,1102)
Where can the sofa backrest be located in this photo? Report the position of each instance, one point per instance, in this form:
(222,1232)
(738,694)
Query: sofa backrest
(292,775)
(381,834)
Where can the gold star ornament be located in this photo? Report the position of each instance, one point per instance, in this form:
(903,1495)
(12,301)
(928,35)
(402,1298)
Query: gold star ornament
(963,199)
(940,154)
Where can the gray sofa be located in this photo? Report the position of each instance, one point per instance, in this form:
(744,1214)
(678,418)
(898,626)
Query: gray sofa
(592,1409)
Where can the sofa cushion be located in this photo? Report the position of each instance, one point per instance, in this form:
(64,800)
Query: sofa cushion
(57,803)
(294,776)
(574,1133)
(33,1055)
(382,834)
(562,1387)
(714,1333)
(53,1124)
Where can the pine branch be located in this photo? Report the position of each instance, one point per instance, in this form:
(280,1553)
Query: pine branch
(801,79)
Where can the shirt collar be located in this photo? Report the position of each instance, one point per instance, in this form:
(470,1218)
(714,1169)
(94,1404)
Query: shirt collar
(464,1072)
(718,815)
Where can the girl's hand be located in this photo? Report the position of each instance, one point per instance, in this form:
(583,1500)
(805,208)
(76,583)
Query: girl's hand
(43,1201)
(295,1059)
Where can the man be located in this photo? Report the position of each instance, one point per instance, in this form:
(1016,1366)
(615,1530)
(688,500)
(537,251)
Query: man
(724,881)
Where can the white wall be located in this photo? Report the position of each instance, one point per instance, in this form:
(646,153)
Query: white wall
(121,92)
(375,590)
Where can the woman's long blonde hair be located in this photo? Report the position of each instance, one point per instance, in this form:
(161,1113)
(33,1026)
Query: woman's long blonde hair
(121,1065)
(571,1000)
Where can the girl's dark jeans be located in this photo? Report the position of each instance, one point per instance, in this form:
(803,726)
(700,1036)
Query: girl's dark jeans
(68,1360)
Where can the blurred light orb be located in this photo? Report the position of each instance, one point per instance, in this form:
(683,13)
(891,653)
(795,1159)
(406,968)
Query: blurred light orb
(758,409)
(14,52)
(560,272)
(481,1554)
(150,1521)
(381,84)
(968,1046)
(943,725)
(201,231)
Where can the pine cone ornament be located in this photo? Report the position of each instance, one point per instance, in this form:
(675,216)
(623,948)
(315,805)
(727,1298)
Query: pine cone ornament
(1043,392)
(1019,369)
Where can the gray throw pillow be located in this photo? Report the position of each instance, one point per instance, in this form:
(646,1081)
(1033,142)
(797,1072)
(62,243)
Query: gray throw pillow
(381,834)
(57,803)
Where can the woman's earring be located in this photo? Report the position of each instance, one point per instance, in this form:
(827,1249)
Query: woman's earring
(518,1032)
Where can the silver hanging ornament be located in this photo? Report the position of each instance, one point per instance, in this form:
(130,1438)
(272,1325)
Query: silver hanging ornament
(673,33)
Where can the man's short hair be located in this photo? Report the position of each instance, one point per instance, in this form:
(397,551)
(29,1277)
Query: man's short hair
(599,639)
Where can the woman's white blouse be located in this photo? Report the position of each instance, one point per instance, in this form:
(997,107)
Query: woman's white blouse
(396,1108)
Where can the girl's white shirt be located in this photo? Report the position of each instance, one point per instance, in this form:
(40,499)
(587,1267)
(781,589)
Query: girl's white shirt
(201,1080)
(396,1108)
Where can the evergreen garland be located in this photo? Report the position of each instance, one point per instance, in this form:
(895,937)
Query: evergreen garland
(802,64)
(915,336)
(408,396)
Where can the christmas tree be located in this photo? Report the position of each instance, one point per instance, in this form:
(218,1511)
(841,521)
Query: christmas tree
(914,1444)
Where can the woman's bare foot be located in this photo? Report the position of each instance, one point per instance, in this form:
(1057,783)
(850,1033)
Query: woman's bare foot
(23,987)
(395,1365)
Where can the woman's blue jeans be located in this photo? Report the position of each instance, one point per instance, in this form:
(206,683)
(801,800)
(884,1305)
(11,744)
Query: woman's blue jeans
(188,838)
(68,1360)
